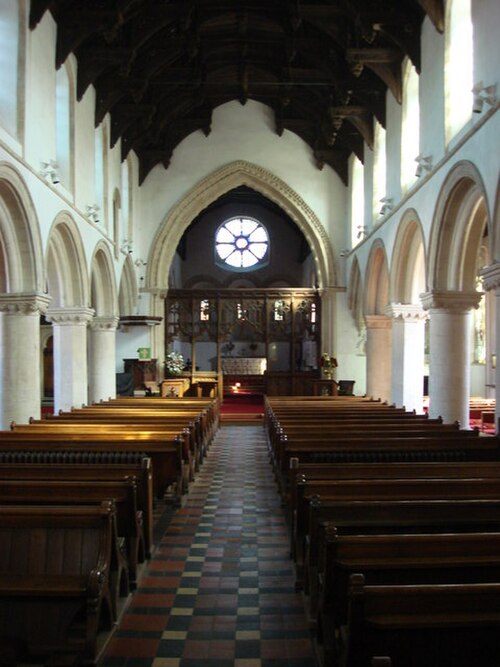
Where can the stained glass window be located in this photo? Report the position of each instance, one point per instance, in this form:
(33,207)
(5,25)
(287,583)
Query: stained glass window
(242,244)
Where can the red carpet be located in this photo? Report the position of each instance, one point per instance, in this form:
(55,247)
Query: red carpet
(242,407)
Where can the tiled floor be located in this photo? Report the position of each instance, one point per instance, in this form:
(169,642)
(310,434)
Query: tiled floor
(219,590)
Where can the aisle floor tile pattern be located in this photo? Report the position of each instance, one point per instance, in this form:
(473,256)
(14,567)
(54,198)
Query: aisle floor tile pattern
(219,591)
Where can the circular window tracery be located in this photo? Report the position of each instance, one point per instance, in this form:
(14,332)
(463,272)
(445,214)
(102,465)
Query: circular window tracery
(241,244)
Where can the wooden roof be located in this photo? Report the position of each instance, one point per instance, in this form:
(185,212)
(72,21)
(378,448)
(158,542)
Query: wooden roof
(160,67)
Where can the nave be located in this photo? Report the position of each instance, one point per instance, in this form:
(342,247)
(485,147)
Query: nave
(219,590)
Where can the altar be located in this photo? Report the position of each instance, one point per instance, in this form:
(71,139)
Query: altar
(244,365)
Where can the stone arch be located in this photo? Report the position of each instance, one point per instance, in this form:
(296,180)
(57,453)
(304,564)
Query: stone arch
(128,291)
(377,280)
(103,295)
(67,276)
(21,254)
(460,217)
(493,233)
(407,279)
(221,181)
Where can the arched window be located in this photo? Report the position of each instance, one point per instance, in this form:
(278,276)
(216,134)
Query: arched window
(458,69)
(9,64)
(241,244)
(379,168)
(410,127)
(63,126)
(357,202)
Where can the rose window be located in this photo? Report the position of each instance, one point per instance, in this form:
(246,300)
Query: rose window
(241,244)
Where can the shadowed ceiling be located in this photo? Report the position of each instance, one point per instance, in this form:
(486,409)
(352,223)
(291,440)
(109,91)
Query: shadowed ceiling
(160,67)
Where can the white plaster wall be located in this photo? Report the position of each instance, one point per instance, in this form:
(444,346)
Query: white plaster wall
(244,133)
(432,140)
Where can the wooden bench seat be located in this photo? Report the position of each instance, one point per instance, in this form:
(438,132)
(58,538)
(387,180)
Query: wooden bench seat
(129,520)
(170,468)
(442,625)
(55,567)
(77,470)
(397,559)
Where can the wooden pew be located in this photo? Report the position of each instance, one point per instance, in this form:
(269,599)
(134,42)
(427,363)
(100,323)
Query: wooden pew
(423,558)
(122,492)
(170,470)
(55,567)
(73,468)
(442,625)
(330,492)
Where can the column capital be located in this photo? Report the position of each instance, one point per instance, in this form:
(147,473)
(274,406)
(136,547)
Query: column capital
(24,303)
(451,301)
(70,316)
(104,323)
(491,276)
(409,312)
(378,322)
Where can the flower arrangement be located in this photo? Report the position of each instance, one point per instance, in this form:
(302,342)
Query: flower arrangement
(174,363)
(327,363)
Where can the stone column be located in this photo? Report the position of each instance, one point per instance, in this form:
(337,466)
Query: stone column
(450,349)
(20,369)
(102,358)
(378,356)
(408,340)
(70,356)
(491,281)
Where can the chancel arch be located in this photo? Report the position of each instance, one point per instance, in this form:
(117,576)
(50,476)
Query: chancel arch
(225,179)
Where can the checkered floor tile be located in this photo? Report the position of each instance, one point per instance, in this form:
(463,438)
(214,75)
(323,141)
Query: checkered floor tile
(219,591)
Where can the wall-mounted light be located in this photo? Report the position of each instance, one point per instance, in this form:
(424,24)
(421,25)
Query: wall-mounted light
(127,246)
(483,94)
(424,165)
(387,205)
(50,171)
(93,212)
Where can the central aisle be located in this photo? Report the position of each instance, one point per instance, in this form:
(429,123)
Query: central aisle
(219,591)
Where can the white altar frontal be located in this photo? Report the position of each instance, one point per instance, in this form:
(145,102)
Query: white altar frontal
(244,365)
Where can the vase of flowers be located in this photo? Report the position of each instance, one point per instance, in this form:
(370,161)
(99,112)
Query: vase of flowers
(174,364)
(328,364)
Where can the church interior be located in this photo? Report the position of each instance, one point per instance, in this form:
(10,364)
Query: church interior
(249,282)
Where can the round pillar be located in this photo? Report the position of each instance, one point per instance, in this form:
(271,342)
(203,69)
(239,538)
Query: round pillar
(102,359)
(449,353)
(70,356)
(20,385)
(491,281)
(378,356)
(408,340)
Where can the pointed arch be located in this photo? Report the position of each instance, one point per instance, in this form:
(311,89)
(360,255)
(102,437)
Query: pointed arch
(21,254)
(225,179)
(407,279)
(67,276)
(127,294)
(377,280)
(460,218)
(103,294)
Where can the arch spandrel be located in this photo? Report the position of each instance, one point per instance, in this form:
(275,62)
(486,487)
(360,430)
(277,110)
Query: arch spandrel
(211,188)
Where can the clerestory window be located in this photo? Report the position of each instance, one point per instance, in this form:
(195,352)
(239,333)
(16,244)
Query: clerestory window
(241,244)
